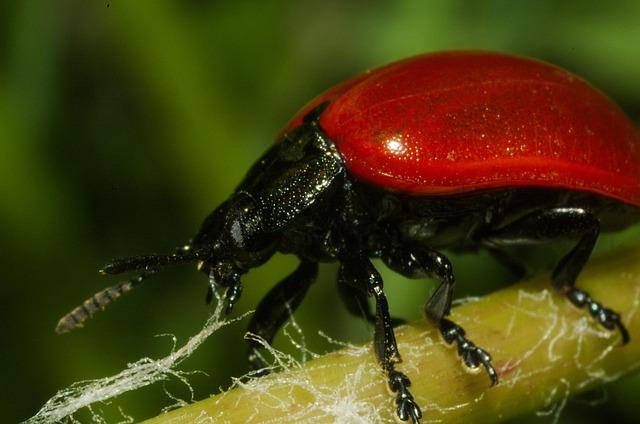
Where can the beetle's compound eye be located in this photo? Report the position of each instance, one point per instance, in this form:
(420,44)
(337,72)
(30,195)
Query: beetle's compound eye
(242,222)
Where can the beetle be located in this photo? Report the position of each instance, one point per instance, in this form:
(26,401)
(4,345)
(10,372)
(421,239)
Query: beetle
(460,150)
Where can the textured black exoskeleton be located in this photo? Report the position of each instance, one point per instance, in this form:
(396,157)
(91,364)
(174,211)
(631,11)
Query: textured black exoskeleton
(299,198)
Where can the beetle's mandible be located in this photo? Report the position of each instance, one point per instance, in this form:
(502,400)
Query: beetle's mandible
(460,150)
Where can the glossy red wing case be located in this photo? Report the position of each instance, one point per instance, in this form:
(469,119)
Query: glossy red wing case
(458,122)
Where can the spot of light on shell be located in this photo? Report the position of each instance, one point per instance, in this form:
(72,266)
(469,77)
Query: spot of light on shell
(395,146)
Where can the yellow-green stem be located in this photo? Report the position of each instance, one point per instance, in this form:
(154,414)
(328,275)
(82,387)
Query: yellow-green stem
(543,348)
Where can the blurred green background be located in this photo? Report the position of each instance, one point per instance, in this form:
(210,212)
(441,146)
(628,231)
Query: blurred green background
(123,123)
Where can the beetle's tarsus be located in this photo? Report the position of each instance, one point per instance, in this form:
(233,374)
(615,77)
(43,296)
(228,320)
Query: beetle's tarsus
(605,316)
(472,355)
(406,405)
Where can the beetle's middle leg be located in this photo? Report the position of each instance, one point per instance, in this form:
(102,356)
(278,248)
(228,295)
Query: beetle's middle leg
(419,262)
(356,302)
(568,223)
(359,273)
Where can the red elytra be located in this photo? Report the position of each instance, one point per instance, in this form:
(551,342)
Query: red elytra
(458,122)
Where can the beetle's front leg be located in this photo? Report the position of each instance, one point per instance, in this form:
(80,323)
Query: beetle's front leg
(225,276)
(276,308)
(418,262)
(359,273)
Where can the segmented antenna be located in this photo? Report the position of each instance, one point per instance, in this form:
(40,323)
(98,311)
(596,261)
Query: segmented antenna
(150,263)
(98,302)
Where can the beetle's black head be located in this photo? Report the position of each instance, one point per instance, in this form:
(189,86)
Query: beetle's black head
(230,242)
(232,239)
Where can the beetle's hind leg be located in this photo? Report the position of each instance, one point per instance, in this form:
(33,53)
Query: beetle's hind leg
(360,274)
(570,223)
(419,262)
(276,308)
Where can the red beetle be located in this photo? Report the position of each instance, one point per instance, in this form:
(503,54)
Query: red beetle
(461,150)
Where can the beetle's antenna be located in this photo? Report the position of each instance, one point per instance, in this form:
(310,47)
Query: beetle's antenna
(151,265)
(98,302)
(118,266)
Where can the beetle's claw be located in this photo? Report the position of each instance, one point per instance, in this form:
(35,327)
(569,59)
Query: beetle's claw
(485,359)
(623,330)
(232,295)
(407,408)
(472,355)
(611,320)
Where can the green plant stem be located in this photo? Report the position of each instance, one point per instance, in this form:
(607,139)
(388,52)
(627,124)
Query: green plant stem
(544,350)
